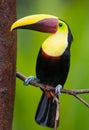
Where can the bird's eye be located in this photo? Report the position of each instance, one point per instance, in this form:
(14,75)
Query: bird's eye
(60,24)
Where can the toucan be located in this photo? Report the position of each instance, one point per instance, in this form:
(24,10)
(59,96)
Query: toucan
(53,59)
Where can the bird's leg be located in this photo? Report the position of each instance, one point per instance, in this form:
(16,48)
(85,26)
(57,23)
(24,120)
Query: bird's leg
(29,79)
(58,88)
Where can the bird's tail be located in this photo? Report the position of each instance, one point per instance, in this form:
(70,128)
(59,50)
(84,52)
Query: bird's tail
(46,111)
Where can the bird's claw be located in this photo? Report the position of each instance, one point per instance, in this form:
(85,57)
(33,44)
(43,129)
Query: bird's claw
(29,79)
(58,89)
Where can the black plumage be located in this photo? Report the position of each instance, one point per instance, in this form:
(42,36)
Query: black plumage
(51,71)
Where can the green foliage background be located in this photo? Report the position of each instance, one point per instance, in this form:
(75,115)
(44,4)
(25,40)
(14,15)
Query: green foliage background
(73,114)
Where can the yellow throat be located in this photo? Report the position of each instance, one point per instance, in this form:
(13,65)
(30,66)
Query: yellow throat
(55,44)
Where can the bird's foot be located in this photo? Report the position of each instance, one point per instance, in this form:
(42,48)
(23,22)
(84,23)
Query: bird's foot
(29,79)
(58,89)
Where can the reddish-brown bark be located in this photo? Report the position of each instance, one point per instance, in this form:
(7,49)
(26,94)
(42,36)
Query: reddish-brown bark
(7,63)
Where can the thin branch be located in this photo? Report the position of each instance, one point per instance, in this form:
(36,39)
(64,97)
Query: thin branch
(34,83)
(57,110)
(51,89)
(82,100)
(75,94)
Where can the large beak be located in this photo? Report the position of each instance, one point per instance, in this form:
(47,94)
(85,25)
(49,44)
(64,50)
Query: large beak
(41,22)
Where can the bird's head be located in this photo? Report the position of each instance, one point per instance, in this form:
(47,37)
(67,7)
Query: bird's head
(48,24)
(41,22)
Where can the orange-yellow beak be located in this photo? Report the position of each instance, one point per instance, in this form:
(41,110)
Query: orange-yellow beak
(41,22)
